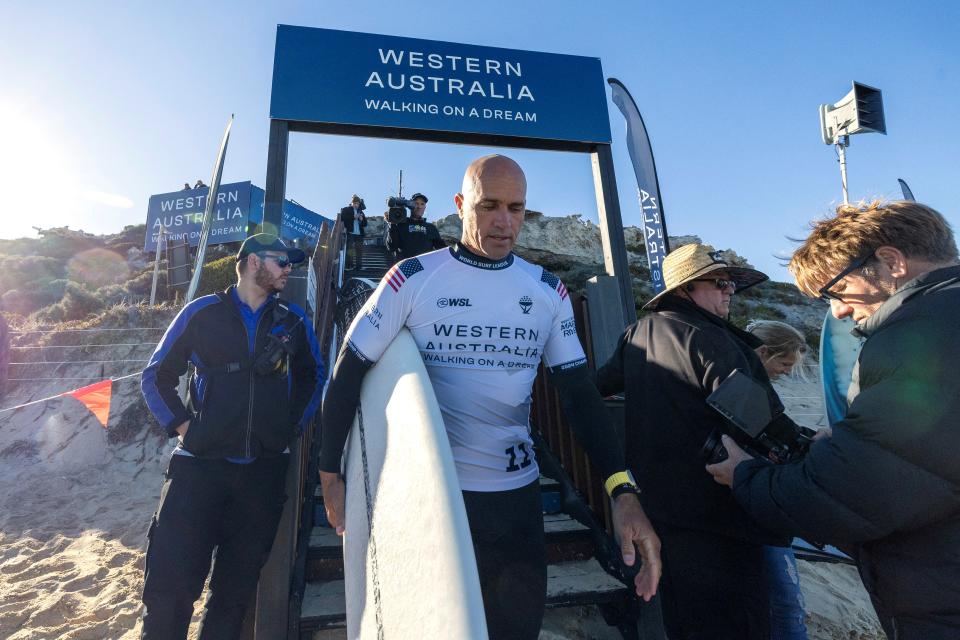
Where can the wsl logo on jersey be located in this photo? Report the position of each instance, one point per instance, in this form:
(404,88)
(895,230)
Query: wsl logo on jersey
(526,303)
(453,302)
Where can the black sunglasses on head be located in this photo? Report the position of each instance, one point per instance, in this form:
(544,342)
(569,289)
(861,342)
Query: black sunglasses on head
(282,261)
(826,295)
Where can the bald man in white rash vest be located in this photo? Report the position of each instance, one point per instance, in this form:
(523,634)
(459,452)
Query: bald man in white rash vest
(484,319)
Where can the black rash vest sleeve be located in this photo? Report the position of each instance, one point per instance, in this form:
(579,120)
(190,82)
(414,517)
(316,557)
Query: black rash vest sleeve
(589,419)
(340,406)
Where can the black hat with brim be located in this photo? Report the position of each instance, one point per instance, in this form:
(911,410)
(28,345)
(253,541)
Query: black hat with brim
(260,242)
(419,196)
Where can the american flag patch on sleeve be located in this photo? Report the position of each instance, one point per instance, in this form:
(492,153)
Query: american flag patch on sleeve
(399,273)
(554,283)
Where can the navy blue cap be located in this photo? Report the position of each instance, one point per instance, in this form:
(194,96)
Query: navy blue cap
(420,196)
(269,242)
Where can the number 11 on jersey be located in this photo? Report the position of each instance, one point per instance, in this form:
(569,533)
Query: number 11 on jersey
(512,454)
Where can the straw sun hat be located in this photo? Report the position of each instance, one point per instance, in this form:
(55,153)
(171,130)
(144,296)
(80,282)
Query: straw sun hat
(693,261)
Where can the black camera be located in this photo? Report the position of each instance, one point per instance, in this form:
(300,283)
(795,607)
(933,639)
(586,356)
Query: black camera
(759,430)
(272,360)
(397,209)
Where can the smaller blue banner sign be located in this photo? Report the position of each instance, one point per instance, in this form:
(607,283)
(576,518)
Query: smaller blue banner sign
(299,223)
(240,204)
(180,215)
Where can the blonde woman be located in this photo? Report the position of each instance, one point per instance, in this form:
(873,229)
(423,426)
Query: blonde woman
(783,352)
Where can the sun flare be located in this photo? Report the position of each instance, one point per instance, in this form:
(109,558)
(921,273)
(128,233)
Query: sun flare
(38,171)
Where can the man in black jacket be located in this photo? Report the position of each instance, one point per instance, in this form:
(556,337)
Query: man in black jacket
(258,378)
(667,364)
(414,235)
(886,486)
(355,225)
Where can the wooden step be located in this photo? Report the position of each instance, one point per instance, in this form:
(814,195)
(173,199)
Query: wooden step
(566,539)
(568,584)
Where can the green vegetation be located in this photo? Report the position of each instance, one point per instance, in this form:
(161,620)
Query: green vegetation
(217,275)
(68,276)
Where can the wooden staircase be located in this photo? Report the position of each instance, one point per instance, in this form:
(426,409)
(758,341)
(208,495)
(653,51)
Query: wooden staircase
(376,261)
(574,578)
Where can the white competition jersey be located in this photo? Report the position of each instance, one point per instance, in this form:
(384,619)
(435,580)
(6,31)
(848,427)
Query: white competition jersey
(482,328)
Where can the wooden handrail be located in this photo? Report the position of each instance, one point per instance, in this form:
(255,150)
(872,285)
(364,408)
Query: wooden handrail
(277,603)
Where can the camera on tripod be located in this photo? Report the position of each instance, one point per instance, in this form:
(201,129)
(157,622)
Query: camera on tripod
(746,405)
(397,209)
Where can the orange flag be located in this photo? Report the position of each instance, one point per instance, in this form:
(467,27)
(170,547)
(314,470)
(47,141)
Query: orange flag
(96,397)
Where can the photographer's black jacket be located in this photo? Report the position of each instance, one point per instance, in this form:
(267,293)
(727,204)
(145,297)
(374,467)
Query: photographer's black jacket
(411,238)
(234,411)
(667,364)
(348,217)
(886,486)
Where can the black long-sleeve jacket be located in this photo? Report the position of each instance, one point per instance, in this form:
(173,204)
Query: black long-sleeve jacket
(886,486)
(348,217)
(234,411)
(412,237)
(667,364)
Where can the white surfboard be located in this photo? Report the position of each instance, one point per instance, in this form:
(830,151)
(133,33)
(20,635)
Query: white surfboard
(839,350)
(409,566)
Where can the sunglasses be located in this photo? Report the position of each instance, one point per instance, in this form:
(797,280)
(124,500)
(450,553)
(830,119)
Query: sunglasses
(282,261)
(826,295)
(721,283)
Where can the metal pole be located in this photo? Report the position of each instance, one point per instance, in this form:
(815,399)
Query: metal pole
(276,186)
(611,228)
(842,143)
(156,268)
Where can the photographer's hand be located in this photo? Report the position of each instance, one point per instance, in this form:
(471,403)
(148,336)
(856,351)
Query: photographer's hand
(722,472)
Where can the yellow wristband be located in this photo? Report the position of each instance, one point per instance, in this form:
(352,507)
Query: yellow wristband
(617,479)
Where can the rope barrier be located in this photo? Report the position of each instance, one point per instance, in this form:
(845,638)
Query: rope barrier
(86,346)
(61,378)
(78,361)
(87,330)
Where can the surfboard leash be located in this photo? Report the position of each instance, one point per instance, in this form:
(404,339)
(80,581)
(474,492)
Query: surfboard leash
(374,568)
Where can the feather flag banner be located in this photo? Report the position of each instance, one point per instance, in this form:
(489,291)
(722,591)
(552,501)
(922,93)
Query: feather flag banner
(648,185)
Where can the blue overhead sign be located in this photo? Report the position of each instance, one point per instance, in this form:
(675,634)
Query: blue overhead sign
(343,77)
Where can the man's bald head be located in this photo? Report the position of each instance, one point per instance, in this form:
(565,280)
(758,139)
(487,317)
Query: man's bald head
(491,205)
(492,165)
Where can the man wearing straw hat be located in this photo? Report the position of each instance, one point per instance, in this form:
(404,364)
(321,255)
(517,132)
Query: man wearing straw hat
(668,363)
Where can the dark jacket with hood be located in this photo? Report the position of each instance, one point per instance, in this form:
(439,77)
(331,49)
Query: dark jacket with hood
(667,364)
(886,486)
(235,411)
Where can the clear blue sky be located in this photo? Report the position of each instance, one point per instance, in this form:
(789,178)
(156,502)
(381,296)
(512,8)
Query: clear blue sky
(104,103)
